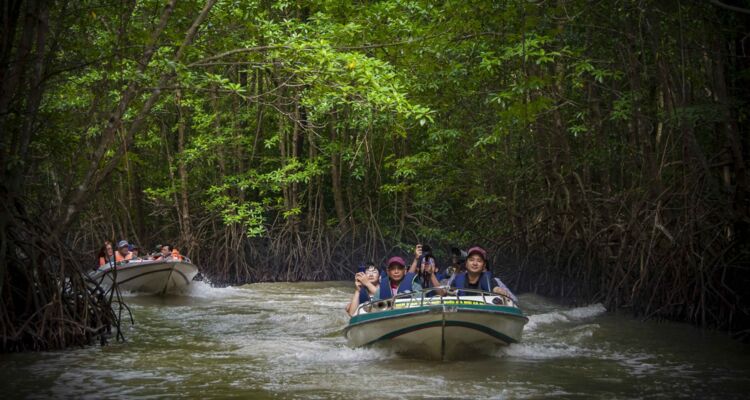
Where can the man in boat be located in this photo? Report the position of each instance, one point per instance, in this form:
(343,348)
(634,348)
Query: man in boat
(163,253)
(367,283)
(397,280)
(135,251)
(478,277)
(123,251)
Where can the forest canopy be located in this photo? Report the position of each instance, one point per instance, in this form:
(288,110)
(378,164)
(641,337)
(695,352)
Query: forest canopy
(597,148)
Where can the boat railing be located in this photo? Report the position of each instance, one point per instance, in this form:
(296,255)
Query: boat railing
(442,295)
(140,261)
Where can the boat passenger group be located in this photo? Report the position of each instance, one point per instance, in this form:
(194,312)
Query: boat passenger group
(423,273)
(130,252)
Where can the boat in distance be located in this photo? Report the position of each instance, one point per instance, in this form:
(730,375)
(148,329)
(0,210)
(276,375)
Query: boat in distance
(148,276)
(460,325)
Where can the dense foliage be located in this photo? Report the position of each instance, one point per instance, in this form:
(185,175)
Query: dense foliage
(597,148)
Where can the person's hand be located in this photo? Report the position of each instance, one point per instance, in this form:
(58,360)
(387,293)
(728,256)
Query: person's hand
(359,277)
(417,251)
(500,291)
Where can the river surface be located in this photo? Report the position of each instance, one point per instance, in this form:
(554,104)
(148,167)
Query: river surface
(284,340)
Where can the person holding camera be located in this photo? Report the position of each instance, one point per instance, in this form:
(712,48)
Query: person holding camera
(425,267)
(366,283)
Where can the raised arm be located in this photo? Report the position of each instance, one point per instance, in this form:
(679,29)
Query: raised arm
(417,254)
(351,308)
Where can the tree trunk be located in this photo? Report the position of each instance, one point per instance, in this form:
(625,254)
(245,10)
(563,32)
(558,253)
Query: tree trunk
(338,197)
(184,209)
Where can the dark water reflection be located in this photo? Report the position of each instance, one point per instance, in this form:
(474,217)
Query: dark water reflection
(284,341)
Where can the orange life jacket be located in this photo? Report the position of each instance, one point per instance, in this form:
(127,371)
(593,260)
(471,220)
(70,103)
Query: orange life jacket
(120,258)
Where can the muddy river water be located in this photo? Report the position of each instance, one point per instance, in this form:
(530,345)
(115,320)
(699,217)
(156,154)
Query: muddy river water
(284,340)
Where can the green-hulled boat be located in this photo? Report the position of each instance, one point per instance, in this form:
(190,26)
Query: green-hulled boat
(440,327)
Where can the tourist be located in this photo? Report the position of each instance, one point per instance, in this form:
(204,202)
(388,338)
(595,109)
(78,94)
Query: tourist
(458,260)
(397,280)
(367,284)
(163,253)
(135,251)
(478,277)
(106,254)
(425,267)
(123,252)
(417,256)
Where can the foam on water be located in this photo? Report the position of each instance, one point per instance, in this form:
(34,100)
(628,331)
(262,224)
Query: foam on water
(204,290)
(572,315)
(541,351)
(557,334)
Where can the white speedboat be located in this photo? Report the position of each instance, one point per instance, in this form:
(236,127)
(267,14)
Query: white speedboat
(460,325)
(148,276)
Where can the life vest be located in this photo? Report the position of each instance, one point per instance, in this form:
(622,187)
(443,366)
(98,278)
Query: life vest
(462,279)
(364,295)
(120,258)
(405,286)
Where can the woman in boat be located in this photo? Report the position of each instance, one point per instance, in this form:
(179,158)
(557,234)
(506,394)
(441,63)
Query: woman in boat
(367,284)
(425,267)
(477,276)
(106,253)
(397,280)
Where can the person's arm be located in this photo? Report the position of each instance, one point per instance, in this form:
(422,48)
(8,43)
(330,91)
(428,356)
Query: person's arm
(351,308)
(498,287)
(417,254)
(370,287)
(434,282)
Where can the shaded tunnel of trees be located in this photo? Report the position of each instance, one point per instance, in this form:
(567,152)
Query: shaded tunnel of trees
(597,149)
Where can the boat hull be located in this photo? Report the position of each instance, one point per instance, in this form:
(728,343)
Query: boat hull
(439,331)
(151,277)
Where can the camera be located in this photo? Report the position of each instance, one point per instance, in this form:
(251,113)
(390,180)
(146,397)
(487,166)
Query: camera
(425,259)
(426,251)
